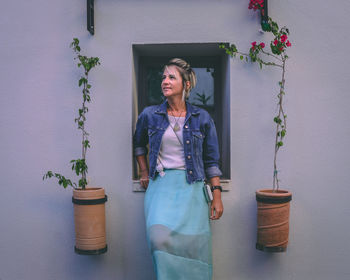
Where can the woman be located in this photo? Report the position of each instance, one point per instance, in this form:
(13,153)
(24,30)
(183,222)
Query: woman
(183,152)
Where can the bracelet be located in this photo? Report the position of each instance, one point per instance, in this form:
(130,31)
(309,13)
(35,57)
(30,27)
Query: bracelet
(216,188)
(142,180)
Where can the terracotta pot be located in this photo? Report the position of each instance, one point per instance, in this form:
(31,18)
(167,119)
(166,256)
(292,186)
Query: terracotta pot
(273,220)
(90,221)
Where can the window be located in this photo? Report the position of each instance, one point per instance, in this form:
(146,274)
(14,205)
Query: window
(211,66)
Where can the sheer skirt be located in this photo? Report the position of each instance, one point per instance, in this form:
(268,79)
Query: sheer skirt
(178,229)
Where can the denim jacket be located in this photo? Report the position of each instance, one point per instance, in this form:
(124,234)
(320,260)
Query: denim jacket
(199,138)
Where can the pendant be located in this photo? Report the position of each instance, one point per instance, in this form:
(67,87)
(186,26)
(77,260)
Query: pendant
(176,127)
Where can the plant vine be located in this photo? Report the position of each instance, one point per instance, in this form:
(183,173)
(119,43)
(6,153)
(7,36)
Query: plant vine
(79,165)
(278,58)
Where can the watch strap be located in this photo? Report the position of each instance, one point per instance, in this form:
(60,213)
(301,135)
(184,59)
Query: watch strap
(216,187)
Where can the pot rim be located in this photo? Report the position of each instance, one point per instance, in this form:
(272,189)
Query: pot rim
(88,188)
(89,193)
(270,193)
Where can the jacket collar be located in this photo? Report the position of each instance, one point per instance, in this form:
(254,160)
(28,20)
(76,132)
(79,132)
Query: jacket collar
(191,110)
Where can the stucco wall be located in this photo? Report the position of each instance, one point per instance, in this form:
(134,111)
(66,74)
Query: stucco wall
(39,97)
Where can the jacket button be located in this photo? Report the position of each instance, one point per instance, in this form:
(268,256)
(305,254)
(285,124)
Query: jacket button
(187,141)
(190,172)
(189,157)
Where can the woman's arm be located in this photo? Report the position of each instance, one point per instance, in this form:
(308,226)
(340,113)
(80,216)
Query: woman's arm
(140,140)
(216,204)
(141,160)
(211,151)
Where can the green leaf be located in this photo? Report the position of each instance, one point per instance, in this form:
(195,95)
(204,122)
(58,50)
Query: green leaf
(241,57)
(233,48)
(277,120)
(82,80)
(86,144)
(283,133)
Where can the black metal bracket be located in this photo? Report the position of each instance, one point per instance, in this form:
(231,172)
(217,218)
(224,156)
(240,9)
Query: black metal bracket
(265,18)
(90,16)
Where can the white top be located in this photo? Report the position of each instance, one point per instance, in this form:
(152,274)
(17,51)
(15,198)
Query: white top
(171,153)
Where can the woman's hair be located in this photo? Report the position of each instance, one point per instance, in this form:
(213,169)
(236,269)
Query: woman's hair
(186,72)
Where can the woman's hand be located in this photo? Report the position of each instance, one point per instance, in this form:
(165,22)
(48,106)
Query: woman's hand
(141,160)
(217,207)
(144,180)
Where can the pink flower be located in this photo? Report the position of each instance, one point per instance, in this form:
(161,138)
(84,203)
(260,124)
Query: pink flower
(281,49)
(254,44)
(275,42)
(262,45)
(256,4)
(288,44)
(283,38)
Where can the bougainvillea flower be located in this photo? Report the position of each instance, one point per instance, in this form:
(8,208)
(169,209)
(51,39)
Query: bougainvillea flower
(281,49)
(256,4)
(262,45)
(288,44)
(283,38)
(275,42)
(254,44)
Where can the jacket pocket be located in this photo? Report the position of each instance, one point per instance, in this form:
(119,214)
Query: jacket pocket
(152,133)
(197,138)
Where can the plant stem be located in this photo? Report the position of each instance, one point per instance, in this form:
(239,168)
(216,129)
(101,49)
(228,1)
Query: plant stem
(84,134)
(272,55)
(279,135)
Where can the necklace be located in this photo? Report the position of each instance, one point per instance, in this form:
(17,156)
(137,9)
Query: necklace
(176,126)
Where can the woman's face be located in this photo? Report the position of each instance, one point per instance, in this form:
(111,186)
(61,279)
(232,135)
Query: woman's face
(172,82)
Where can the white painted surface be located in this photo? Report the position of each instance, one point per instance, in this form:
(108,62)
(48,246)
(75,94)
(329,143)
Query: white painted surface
(39,97)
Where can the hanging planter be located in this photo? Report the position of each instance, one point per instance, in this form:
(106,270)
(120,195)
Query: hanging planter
(89,202)
(273,220)
(272,204)
(90,221)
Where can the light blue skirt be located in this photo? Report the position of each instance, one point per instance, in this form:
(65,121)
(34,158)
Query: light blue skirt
(178,229)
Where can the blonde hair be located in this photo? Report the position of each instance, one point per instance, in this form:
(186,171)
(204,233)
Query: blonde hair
(187,75)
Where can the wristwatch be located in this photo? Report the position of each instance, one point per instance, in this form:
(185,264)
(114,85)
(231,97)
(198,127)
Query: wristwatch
(216,187)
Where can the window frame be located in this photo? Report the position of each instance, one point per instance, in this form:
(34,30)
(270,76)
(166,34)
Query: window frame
(195,54)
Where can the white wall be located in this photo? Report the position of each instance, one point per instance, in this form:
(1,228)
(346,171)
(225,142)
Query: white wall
(39,97)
